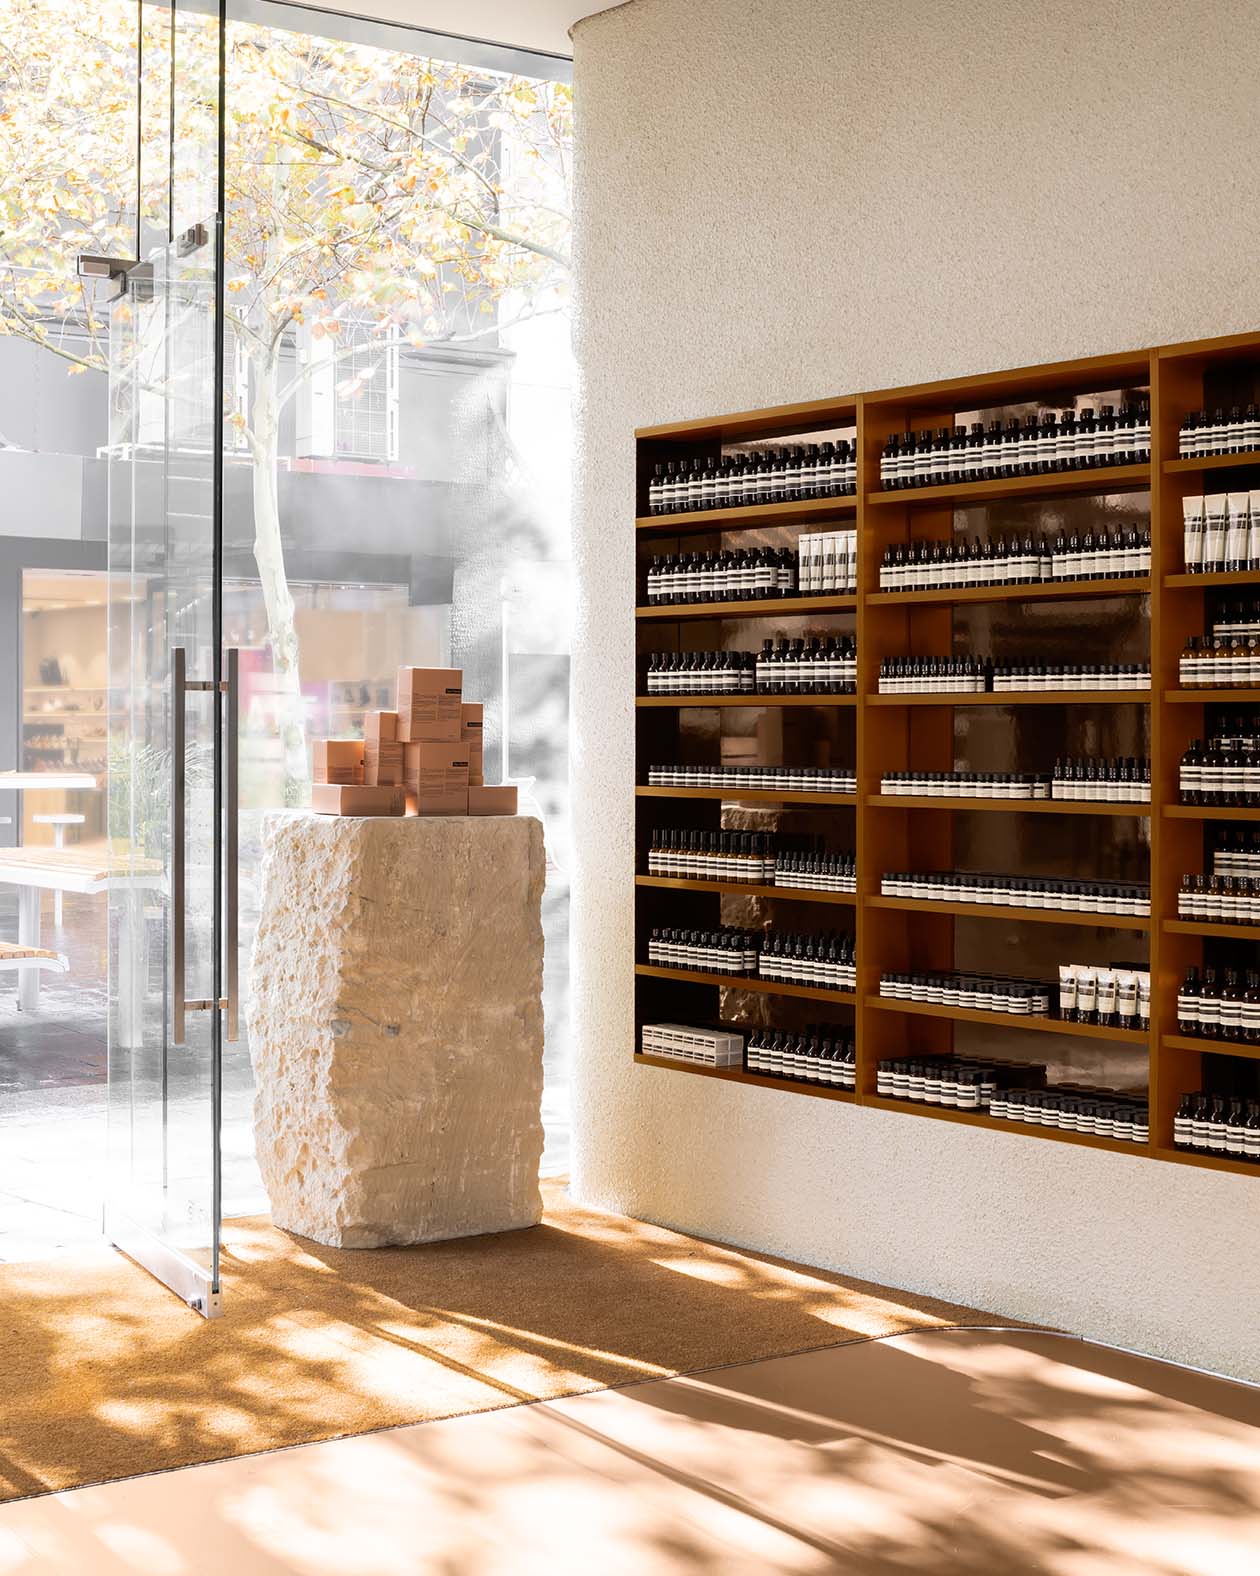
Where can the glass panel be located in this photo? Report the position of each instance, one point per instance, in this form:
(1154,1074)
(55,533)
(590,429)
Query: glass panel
(163,1093)
(165,791)
(396,482)
(67,113)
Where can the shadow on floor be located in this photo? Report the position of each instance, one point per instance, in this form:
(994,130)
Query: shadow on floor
(107,1375)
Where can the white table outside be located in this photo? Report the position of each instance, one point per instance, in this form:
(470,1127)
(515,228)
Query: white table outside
(18,781)
(86,871)
(22,782)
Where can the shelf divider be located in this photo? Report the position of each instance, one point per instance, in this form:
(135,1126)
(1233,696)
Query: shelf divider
(769,607)
(755,795)
(748,889)
(1006,1020)
(1209,462)
(742,1076)
(962,698)
(1197,927)
(704,522)
(747,982)
(1036,916)
(1189,1042)
(1001,1125)
(1046,484)
(1034,591)
(664,702)
(906,801)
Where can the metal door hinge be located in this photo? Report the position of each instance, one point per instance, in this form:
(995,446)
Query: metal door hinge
(191,240)
(95,265)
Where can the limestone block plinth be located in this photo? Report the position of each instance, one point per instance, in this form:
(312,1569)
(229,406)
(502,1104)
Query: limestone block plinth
(396,1026)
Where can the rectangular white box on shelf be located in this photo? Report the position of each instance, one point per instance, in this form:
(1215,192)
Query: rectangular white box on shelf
(683,1043)
(827,564)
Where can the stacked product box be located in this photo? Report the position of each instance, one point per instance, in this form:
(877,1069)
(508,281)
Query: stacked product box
(683,1043)
(430,720)
(341,784)
(423,758)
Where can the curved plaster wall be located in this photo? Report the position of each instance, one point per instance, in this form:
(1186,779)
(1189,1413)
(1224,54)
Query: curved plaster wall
(781,202)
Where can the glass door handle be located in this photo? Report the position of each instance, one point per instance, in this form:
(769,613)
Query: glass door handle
(181,1005)
(231,845)
(179,696)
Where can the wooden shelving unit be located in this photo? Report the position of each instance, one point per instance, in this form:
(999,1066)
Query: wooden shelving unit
(878,734)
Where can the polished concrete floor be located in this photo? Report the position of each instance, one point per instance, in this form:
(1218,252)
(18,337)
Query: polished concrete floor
(941,1453)
(53,1092)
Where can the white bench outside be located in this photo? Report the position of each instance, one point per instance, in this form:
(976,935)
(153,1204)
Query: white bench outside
(15,956)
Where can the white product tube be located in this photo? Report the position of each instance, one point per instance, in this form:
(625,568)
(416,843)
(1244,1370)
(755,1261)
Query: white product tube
(1192,515)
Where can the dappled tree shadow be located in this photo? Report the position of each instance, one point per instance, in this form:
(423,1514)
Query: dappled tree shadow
(106,1375)
(946,1452)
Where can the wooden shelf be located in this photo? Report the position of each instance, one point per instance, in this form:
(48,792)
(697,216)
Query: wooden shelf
(745,982)
(1007,1020)
(1037,591)
(704,522)
(739,1075)
(748,889)
(1210,462)
(1246,577)
(1049,484)
(1187,1042)
(814,415)
(1018,698)
(1196,927)
(1016,385)
(1037,916)
(770,607)
(905,801)
(1206,812)
(745,700)
(920,732)
(1001,1125)
(754,795)
(1187,1157)
(1243,695)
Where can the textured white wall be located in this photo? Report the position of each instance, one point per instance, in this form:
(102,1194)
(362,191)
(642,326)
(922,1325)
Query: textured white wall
(781,202)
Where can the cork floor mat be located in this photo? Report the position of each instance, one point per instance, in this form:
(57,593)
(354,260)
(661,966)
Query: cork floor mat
(106,1375)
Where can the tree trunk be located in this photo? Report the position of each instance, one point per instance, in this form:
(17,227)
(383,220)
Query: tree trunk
(269,555)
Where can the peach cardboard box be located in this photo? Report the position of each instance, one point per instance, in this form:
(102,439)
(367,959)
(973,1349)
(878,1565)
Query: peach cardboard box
(337,760)
(429,705)
(343,799)
(436,777)
(492,799)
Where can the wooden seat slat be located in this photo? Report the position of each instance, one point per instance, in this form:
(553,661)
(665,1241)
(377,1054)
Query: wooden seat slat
(14,950)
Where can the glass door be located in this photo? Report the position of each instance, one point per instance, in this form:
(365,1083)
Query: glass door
(172,865)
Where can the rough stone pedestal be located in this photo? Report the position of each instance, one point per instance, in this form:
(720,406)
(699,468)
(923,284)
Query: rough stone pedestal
(396,1028)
